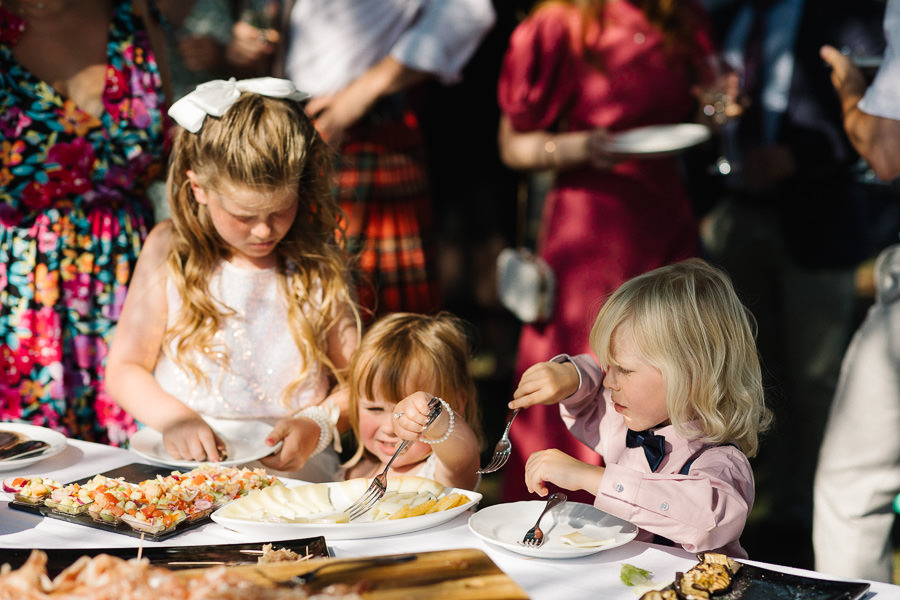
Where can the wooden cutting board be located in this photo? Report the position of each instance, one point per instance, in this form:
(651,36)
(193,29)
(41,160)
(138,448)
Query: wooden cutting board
(446,574)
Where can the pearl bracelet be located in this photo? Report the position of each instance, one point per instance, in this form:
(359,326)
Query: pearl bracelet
(322,417)
(447,433)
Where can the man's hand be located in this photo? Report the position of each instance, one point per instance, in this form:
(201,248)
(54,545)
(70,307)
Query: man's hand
(846,78)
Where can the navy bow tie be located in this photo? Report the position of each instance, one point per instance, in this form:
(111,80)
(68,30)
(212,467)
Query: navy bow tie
(654,445)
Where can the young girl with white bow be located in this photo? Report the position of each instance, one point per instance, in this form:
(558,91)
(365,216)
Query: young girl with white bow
(240,306)
(675,409)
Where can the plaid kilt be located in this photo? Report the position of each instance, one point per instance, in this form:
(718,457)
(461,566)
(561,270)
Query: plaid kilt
(382,186)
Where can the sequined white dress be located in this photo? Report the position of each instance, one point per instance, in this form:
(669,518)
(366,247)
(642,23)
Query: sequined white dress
(263,359)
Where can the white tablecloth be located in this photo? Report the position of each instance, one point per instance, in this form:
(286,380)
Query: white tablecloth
(588,578)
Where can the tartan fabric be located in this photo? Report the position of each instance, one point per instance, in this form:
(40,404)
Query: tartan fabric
(382,186)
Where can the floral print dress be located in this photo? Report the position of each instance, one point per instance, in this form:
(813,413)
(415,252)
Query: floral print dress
(74,212)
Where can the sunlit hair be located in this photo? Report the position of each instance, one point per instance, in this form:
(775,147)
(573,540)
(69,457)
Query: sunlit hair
(688,322)
(675,19)
(270,146)
(402,353)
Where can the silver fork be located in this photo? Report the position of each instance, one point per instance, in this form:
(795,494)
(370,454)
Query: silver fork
(378,486)
(502,450)
(534,537)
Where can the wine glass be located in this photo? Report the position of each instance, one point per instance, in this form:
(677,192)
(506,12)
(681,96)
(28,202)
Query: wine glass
(718,101)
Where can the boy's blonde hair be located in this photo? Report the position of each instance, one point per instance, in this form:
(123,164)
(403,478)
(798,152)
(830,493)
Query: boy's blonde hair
(688,322)
(269,145)
(406,352)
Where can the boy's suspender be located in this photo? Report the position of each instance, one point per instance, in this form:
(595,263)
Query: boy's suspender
(685,470)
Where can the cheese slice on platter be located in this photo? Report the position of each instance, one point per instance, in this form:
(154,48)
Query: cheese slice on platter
(580,540)
(327,502)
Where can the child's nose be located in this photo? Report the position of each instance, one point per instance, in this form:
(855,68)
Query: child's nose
(609,380)
(387,423)
(261,230)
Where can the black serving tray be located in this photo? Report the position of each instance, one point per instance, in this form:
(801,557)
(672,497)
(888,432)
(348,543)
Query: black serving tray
(756,583)
(173,557)
(133,473)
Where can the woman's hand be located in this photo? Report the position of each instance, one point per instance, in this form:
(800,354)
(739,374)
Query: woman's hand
(545,383)
(192,439)
(597,154)
(560,469)
(299,437)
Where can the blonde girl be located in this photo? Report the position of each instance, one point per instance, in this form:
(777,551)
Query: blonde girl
(674,407)
(404,361)
(240,306)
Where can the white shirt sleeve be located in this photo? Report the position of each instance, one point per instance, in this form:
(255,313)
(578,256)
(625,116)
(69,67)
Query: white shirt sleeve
(882,98)
(444,37)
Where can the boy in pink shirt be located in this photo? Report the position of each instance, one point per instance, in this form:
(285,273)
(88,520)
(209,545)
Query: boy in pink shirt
(675,409)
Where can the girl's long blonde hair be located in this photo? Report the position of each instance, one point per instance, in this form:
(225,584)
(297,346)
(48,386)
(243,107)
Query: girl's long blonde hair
(405,352)
(269,145)
(688,322)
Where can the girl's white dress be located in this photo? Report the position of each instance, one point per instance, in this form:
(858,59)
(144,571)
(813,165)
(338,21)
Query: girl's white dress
(262,360)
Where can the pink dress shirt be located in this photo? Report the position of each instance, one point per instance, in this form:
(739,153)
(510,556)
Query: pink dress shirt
(704,510)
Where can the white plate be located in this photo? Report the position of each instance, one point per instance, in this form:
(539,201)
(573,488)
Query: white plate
(244,442)
(504,525)
(358,529)
(56,440)
(658,139)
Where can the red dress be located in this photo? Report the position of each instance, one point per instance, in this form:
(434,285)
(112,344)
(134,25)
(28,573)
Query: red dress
(599,227)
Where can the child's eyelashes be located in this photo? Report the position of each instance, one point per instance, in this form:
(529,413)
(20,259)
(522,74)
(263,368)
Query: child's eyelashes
(242,218)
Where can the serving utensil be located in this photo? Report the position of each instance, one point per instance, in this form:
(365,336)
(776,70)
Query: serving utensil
(377,561)
(502,450)
(9,438)
(379,483)
(534,537)
(24,449)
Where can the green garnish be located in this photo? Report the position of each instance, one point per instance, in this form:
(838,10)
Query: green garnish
(632,575)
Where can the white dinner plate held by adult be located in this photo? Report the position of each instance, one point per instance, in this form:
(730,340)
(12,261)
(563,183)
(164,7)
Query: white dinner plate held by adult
(57,443)
(244,442)
(571,530)
(658,140)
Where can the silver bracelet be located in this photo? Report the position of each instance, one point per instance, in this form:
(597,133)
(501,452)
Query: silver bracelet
(321,417)
(447,433)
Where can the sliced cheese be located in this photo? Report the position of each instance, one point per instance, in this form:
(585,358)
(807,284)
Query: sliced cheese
(315,496)
(327,503)
(347,492)
(411,483)
(580,540)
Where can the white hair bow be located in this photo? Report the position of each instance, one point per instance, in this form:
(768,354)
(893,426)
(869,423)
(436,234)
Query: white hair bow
(215,97)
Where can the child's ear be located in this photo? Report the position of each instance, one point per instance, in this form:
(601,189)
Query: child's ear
(199,192)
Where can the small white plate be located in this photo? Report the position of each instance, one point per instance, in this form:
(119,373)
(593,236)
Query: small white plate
(354,530)
(244,442)
(504,525)
(658,139)
(57,441)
